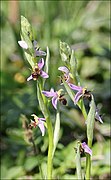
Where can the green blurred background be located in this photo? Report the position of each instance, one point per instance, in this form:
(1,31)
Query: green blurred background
(85,26)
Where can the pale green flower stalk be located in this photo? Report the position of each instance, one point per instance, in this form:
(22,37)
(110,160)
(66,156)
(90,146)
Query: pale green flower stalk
(31,52)
(70,71)
(69,60)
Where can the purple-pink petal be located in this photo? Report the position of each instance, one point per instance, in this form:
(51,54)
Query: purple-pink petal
(23,44)
(39,53)
(77,96)
(74,87)
(35,43)
(54,102)
(41,119)
(86,148)
(52,91)
(29,78)
(98,117)
(64,69)
(48,93)
(42,128)
(43,74)
(41,63)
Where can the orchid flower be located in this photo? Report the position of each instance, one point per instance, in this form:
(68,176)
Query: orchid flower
(38,122)
(37,51)
(56,96)
(66,72)
(80,92)
(86,148)
(37,71)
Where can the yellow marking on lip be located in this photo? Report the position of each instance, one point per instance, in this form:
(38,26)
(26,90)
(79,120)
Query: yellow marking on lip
(59,92)
(71,75)
(36,66)
(83,90)
(35,118)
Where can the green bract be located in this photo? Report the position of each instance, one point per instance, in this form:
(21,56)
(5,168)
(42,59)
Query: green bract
(65,52)
(26,35)
(90,121)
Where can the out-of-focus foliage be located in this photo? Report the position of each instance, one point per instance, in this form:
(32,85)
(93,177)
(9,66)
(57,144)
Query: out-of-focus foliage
(84,25)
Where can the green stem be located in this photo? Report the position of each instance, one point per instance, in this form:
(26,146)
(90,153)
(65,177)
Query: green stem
(78,162)
(83,109)
(90,129)
(45,111)
(88,162)
(50,149)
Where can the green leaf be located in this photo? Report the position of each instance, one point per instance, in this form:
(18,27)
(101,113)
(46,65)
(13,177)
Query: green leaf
(31,163)
(15,172)
(68,89)
(41,101)
(26,29)
(90,121)
(73,65)
(26,35)
(78,162)
(43,170)
(56,131)
(29,59)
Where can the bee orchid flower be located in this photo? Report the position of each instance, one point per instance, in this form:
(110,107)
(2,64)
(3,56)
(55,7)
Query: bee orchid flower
(38,122)
(37,71)
(66,72)
(37,51)
(79,94)
(82,92)
(56,96)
